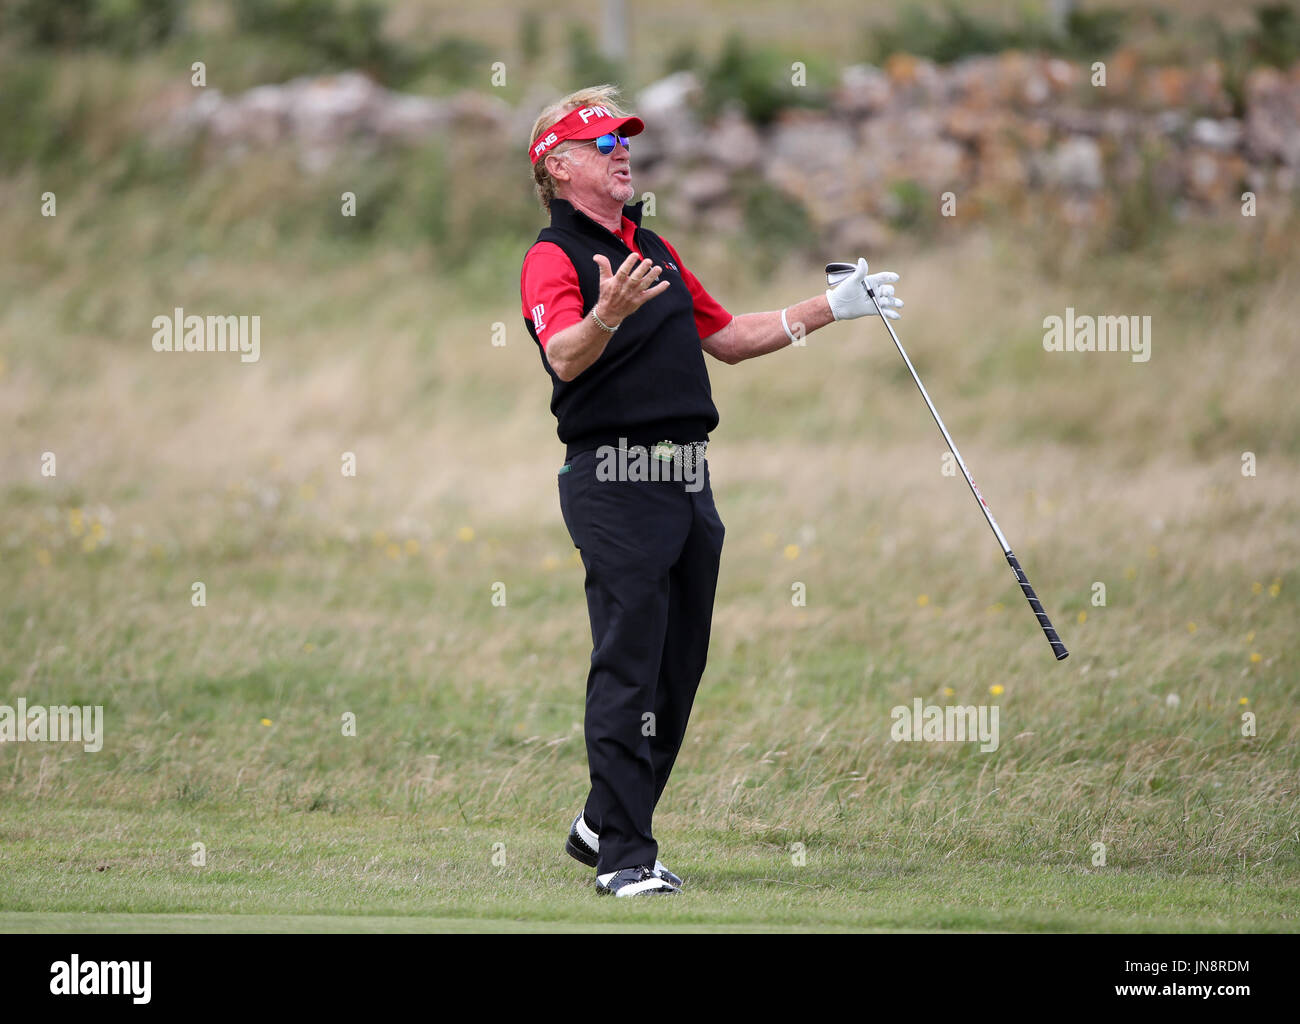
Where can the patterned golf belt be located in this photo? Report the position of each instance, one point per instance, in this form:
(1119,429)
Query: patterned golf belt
(688,455)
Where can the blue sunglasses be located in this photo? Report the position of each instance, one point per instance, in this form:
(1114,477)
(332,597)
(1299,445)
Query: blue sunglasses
(606,143)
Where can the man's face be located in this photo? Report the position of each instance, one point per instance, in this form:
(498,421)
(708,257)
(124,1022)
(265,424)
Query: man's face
(593,175)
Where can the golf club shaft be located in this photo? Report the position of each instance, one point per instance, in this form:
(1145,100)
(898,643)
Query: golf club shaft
(1058,648)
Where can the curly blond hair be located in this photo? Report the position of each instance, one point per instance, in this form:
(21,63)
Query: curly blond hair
(543,184)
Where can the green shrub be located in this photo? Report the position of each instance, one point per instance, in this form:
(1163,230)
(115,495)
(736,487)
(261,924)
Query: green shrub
(1276,39)
(683,57)
(335,35)
(943,39)
(776,223)
(530,37)
(1090,33)
(348,36)
(587,65)
(457,61)
(912,204)
(1143,213)
(125,26)
(957,33)
(31,130)
(756,79)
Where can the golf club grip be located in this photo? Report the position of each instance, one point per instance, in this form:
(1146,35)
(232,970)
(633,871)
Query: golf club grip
(1058,648)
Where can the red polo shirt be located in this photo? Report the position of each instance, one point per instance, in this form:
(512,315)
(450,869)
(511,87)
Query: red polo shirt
(548,285)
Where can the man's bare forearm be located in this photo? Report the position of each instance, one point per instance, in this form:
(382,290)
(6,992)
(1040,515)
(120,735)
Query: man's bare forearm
(576,347)
(757,334)
(621,294)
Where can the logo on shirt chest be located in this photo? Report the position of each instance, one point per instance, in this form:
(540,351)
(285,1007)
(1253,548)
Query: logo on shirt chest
(643,255)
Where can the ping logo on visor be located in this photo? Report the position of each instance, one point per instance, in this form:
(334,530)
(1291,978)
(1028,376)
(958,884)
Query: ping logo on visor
(587,123)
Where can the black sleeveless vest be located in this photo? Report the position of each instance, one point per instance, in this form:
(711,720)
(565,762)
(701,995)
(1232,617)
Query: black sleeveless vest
(650,384)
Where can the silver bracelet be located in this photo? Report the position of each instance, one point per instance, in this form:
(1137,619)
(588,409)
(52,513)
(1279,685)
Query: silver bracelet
(601,323)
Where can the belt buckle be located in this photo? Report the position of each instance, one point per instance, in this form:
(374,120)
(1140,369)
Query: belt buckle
(664,451)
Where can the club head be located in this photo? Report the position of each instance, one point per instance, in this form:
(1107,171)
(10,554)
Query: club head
(837,272)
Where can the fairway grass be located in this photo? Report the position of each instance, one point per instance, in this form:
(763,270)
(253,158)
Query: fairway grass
(96,871)
(153,924)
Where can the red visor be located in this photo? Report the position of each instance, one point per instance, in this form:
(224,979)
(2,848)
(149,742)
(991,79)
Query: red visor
(584,123)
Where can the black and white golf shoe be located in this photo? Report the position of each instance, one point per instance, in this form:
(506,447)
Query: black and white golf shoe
(638,881)
(583,845)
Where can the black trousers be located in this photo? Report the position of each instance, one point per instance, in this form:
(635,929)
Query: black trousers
(651,550)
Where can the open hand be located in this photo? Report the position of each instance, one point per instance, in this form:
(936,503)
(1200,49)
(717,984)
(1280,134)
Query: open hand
(624,292)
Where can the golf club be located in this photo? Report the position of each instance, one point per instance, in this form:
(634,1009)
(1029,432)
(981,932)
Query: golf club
(837,272)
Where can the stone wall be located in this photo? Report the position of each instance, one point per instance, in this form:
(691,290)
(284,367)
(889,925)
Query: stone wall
(991,130)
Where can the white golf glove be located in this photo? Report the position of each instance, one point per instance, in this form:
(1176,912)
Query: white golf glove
(849,299)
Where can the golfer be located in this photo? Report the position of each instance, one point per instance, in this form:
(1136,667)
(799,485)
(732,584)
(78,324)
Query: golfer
(622,327)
